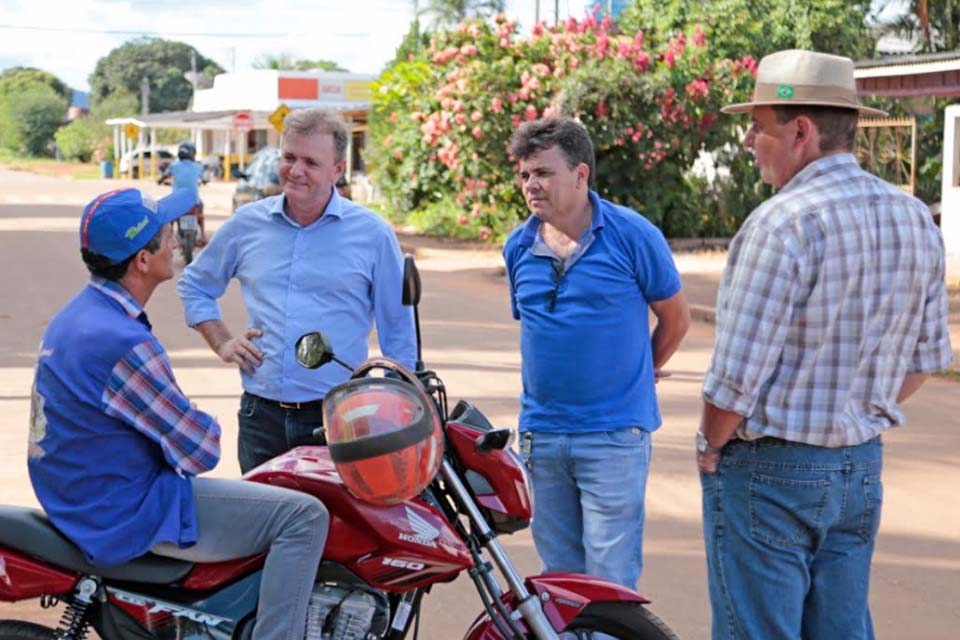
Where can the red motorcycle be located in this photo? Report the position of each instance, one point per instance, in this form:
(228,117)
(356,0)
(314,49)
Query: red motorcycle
(378,564)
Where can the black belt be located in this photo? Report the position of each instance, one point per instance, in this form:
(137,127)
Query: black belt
(309,405)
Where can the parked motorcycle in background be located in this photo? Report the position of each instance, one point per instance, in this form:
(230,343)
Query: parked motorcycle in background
(379,562)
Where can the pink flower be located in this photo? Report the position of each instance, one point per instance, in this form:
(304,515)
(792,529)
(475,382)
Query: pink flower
(485,233)
(669,59)
(699,37)
(697,88)
(476,116)
(530,113)
(398,154)
(602,110)
(515,119)
(393,116)
(496,105)
(477,132)
(462,220)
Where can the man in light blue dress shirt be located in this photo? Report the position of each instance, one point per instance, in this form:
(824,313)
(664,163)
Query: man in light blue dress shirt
(306,260)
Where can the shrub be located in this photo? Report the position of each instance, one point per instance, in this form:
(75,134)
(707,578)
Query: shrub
(441,121)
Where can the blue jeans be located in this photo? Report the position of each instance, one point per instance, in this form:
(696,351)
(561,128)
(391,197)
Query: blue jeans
(789,531)
(236,519)
(267,430)
(588,491)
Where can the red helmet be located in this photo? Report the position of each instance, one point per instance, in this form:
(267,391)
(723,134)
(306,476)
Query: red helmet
(384,436)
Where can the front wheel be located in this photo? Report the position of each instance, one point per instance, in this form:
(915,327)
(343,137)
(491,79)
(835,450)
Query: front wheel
(621,620)
(187,242)
(19,630)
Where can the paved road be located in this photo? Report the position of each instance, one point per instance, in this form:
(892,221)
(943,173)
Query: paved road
(471,341)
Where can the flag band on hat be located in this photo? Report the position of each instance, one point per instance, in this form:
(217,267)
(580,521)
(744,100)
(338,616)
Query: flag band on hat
(785,91)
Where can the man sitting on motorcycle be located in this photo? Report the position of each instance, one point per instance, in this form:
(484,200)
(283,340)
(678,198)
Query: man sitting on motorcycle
(187,174)
(116,448)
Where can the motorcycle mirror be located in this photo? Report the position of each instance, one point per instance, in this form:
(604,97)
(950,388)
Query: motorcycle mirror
(494,440)
(411,282)
(313,350)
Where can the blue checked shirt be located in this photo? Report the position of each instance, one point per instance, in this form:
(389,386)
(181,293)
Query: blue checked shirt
(833,291)
(143,393)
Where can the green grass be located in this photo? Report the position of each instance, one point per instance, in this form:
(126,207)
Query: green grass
(949,375)
(49,166)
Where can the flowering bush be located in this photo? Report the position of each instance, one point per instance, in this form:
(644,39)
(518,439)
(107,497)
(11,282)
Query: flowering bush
(441,121)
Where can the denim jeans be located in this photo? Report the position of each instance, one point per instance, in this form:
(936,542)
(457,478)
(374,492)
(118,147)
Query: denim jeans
(267,430)
(236,519)
(588,491)
(789,531)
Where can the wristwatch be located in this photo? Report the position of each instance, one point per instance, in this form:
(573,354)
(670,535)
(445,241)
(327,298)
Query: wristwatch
(703,446)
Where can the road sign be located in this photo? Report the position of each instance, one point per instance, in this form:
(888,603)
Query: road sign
(276,118)
(242,121)
(131,130)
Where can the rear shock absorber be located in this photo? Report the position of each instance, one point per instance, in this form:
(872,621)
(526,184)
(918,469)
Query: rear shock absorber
(74,624)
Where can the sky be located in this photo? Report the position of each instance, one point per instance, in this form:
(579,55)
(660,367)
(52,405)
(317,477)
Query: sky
(67,37)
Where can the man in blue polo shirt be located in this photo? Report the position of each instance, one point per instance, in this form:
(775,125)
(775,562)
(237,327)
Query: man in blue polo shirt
(583,273)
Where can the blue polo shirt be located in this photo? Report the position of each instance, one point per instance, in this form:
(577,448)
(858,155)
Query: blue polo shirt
(339,275)
(584,330)
(187,175)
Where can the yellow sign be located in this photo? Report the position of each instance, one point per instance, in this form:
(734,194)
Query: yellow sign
(131,130)
(356,91)
(276,118)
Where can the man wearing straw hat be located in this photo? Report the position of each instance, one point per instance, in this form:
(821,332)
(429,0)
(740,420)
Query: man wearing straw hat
(832,311)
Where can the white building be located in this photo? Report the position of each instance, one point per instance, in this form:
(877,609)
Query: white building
(242,113)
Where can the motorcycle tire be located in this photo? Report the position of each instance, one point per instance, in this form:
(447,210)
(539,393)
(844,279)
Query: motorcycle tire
(20,630)
(623,620)
(186,246)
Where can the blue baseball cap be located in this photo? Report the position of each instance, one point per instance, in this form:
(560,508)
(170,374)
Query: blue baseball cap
(119,223)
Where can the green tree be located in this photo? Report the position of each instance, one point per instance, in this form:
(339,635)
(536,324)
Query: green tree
(80,139)
(162,62)
(36,114)
(934,25)
(447,13)
(736,28)
(77,140)
(413,43)
(15,80)
(287,62)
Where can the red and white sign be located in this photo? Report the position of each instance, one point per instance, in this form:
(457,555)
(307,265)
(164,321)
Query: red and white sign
(243,121)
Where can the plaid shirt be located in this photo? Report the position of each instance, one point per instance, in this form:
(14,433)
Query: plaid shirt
(833,291)
(143,393)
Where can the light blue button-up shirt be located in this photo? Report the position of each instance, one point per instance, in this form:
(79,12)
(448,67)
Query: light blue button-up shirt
(335,275)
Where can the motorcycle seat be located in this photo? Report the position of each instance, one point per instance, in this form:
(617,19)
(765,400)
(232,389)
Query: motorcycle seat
(28,531)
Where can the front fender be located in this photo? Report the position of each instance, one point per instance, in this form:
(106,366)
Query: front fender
(564,595)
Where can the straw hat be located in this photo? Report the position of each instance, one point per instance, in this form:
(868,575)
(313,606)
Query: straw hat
(799,77)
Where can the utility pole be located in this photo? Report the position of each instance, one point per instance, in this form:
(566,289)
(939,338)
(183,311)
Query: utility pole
(144,96)
(536,19)
(556,11)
